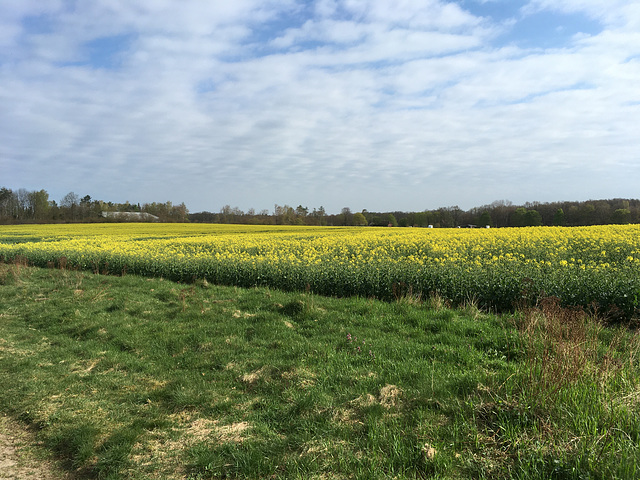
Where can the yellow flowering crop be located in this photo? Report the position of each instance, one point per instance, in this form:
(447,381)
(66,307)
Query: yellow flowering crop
(597,265)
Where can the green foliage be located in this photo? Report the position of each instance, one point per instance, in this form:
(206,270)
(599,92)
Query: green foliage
(526,218)
(559,219)
(518,218)
(532,218)
(485,220)
(621,216)
(359,220)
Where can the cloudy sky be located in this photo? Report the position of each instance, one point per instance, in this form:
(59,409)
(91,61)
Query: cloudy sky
(376,104)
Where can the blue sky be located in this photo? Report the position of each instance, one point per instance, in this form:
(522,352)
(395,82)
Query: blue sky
(384,105)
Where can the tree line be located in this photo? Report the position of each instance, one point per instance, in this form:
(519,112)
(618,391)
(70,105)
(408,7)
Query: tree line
(23,206)
(501,213)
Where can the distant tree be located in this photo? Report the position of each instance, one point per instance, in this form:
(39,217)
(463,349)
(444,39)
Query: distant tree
(320,212)
(301,211)
(558,218)
(602,214)
(455,214)
(522,217)
(421,219)
(22,204)
(54,211)
(318,216)
(518,217)
(69,206)
(39,204)
(377,221)
(485,219)
(289,215)
(225,214)
(359,220)
(278,213)
(179,213)
(391,220)
(7,204)
(587,214)
(572,215)
(167,212)
(129,207)
(284,215)
(533,218)
(85,207)
(204,217)
(345,217)
(447,217)
(501,210)
(621,216)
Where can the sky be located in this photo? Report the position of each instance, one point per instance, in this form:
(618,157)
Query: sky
(384,105)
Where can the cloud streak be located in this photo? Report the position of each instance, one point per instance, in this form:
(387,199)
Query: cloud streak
(378,105)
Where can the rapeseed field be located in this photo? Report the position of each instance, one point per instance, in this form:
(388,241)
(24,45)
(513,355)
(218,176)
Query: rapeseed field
(596,267)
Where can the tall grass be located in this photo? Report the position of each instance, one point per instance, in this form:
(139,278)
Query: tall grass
(571,408)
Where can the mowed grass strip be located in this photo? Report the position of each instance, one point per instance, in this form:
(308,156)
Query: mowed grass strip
(131,377)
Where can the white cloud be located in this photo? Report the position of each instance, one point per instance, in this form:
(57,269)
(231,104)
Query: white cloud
(420,14)
(325,8)
(614,13)
(409,104)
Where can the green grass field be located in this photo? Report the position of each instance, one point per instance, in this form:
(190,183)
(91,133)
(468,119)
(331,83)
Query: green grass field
(135,378)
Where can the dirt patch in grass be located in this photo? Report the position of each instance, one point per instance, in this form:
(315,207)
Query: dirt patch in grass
(21,457)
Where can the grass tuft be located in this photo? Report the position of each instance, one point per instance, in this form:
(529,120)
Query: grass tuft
(561,413)
(568,346)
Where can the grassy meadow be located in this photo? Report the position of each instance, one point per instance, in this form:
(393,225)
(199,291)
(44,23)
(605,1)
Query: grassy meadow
(171,375)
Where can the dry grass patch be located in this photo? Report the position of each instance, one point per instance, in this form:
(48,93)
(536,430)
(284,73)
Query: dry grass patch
(203,429)
(364,401)
(84,368)
(564,348)
(253,377)
(300,377)
(233,433)
(162,452)
(346,416)
(390,396)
